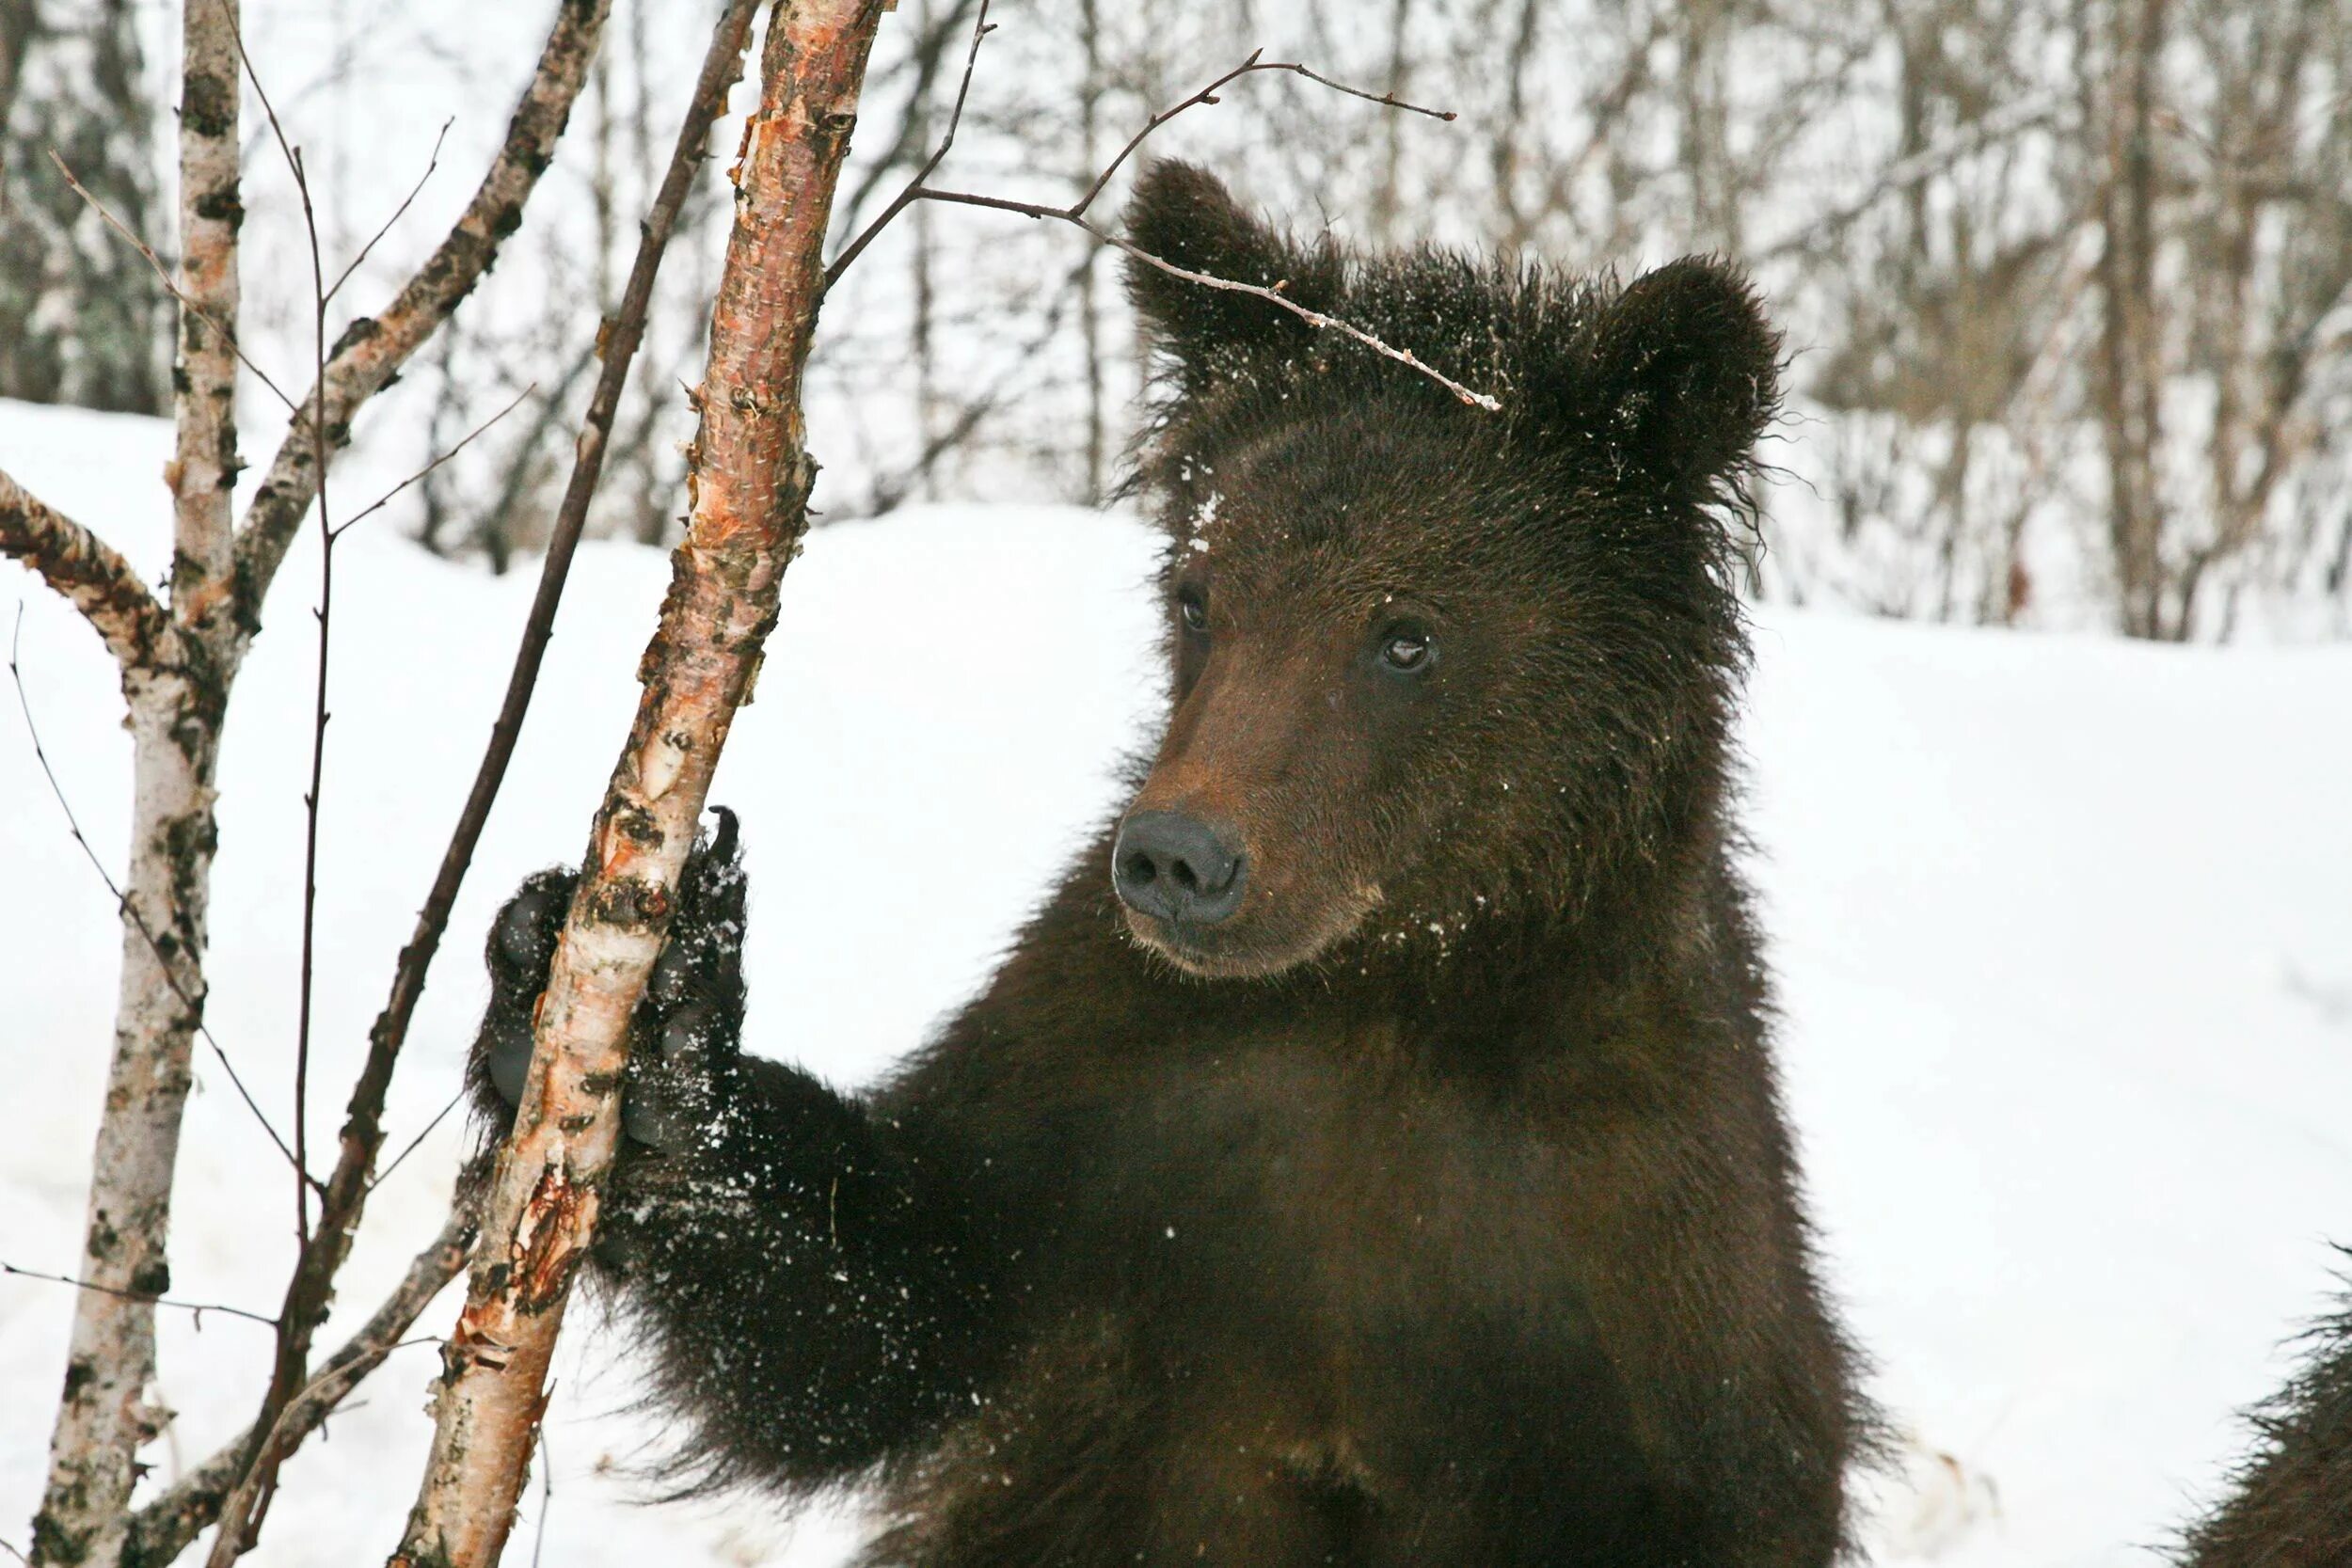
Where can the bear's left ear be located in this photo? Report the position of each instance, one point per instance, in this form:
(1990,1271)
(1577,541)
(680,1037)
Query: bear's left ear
(1681,371)
(1186,217)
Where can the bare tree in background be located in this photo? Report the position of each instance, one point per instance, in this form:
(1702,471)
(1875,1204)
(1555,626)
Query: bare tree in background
(82,318)
(2063,278)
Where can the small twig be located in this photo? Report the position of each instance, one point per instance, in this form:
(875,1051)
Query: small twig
(916,189)
(257,1487)
(198,1307)
(1208,95)
(1272,297)
(386,499)
(439,1117)
(981,27)
(171,285)
(312,798)
(398,213)
(546,1489)
(123,904)
(919,189)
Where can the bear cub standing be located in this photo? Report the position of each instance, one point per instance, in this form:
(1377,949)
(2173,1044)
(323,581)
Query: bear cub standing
(1370,1154)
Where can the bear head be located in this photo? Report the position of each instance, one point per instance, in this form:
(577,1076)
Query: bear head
(1433,666)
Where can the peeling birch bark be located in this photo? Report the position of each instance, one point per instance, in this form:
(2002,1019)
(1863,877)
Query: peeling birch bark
(86,570)
(176,696)
(750,479)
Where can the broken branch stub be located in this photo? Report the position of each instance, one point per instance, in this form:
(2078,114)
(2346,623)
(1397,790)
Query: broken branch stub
(749,480)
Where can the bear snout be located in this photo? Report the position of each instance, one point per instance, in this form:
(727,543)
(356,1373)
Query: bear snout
(1173,866)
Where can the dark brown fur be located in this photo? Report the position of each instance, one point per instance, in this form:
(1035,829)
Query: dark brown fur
(2291,1505)
(1437,1208)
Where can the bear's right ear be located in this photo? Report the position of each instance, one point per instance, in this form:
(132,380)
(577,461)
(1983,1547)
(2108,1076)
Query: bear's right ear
(1683,372)
(1186,217)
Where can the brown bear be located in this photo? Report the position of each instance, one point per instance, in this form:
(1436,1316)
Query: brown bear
(1370,1154)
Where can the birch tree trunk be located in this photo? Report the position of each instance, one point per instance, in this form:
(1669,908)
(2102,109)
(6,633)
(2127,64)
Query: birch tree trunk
(175,697)
(749,477)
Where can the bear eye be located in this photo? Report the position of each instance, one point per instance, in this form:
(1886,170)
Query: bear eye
(1192,607)
(1407,649)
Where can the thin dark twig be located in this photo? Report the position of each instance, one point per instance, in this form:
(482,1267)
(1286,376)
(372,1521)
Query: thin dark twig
(386,1174)
(918,189)
(170,285)
(1208,95)
(10,1547)
(124,906)
(285,148)
(981,27)
(547,1488)
(293,156)
(198,1307)
(258,1487)
(312,797)
(386,499)
(398,213)
(921,61)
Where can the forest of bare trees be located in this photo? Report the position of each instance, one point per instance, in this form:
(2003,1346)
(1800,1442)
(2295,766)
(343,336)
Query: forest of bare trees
(2065,280)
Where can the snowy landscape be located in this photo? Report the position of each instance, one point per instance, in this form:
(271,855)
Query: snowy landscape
(2062,928)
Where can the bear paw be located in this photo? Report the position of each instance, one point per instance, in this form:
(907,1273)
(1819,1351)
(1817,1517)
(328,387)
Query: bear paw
(686,1033)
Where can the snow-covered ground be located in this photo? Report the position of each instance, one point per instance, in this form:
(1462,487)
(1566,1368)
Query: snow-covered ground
(2063,926)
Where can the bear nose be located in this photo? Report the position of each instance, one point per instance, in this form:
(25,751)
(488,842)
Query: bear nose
(1177,867)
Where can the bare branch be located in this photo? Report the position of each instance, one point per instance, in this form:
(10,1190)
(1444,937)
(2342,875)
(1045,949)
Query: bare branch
(1209,95)
(96,580)
(371,349)
(1272,297)
(916,189)
(467,440)
(171,284)
(400,212)
(162,1530)
(198,1307)
(981,27)
(919,190)
(413,1144)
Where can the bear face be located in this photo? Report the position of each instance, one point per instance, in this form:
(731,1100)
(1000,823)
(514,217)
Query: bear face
(1430,665)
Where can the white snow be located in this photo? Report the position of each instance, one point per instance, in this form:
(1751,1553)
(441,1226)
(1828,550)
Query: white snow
(2063,929)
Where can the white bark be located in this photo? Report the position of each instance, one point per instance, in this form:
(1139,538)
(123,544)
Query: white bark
(175,697)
